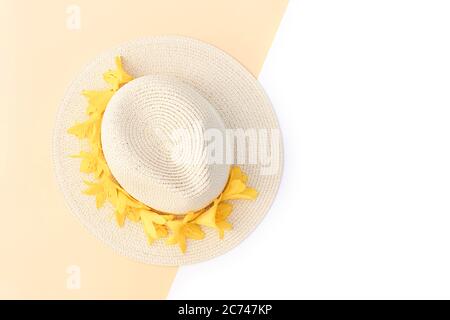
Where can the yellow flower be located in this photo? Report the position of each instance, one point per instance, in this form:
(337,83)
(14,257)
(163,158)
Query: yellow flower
(208,218)
(223,211)
(90,163)
(83,130)
(117,77)
(215,217)
(153,225)
(110,187)
(236,187)
(184,229)
(120,218)
(97,190)
(131,213)
(97,100)
(125,201)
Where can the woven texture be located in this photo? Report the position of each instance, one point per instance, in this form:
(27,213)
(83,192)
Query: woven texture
(224,84)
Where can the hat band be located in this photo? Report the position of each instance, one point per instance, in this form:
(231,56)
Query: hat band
(177,229)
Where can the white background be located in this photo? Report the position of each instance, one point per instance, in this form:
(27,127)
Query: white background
(362,91)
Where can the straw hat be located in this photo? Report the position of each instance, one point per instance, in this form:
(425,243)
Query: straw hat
(170,106)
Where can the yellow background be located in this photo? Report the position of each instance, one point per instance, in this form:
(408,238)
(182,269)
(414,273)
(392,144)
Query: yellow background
(39,238)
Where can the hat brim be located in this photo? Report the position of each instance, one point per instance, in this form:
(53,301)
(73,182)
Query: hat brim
(229,87)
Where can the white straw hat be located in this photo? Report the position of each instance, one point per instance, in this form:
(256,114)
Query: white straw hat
(180,86)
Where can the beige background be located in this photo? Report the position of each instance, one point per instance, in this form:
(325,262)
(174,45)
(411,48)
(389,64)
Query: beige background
(39,239)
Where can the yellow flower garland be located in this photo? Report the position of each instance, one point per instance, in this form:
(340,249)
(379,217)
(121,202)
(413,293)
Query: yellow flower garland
(156,224)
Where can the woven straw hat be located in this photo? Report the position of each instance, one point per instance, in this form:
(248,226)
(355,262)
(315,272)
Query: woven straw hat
(180,86)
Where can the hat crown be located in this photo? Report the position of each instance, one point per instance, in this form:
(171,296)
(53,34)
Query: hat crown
(153,141)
